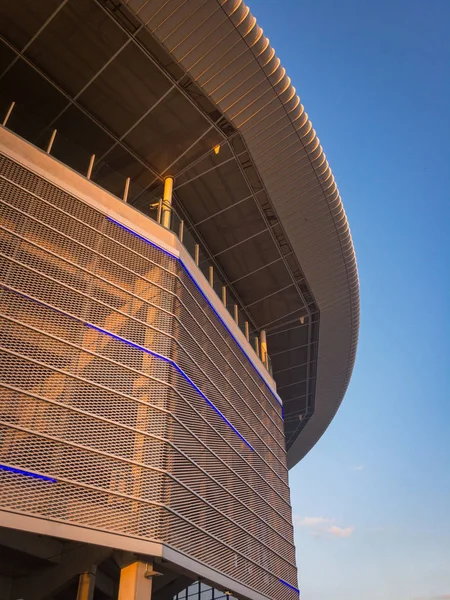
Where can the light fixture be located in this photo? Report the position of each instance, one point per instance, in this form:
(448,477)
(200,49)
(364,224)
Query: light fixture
(150,571)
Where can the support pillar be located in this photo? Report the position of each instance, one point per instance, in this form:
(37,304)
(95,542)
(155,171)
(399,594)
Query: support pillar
(263,341)
(167,202)
(135,582)
(86,585)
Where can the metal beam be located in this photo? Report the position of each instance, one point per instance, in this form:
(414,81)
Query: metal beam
(294,400)
(157,65)
(250,237)
(270,295)
(141,118)
(210,257)
(282,387)
(272,262)
(266,325)
(73,100)
(219,212)
(296,366)
(38,32)
(84,111)
(180,156)
(203,172)
(272,354)
(297,326)
(43,547)
(203,156)
(77,559)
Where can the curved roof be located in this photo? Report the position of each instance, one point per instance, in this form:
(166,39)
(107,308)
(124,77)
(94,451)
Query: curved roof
(221,47)
(155,87)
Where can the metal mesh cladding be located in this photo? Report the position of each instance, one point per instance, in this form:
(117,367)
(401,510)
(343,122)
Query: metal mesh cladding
(121,384)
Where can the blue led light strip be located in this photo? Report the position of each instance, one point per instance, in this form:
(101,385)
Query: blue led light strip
(27,473)
(186,270)
(147,351)
(290,586)
(179,370)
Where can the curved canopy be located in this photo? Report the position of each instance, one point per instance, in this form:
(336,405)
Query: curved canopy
(221,47)
(193,89)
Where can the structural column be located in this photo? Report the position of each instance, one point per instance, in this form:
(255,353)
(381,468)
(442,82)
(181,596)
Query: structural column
(167,202)
(86,585)
(264,358)
(135,582)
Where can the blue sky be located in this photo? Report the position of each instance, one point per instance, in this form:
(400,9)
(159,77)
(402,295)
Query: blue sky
(372,499)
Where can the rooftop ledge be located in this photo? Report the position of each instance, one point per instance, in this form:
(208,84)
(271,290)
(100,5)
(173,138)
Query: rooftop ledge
(124,215)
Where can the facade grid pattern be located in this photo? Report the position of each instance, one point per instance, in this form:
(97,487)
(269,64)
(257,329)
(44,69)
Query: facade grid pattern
(109,351)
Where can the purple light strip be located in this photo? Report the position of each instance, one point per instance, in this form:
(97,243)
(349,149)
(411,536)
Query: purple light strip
(201,292)
(147,351)
(179,370)
(27,473)
(290,586)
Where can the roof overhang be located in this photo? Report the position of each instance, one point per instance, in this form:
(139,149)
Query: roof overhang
(221,47)
(151,87)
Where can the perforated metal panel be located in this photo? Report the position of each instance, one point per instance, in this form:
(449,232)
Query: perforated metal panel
(126,396)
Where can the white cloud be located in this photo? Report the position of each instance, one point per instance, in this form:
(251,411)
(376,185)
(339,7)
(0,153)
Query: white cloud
(358,468)
(310,521)
(342,532)
(322,526)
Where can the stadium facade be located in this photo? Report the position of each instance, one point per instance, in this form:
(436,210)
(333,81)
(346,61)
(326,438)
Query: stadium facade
(179,302)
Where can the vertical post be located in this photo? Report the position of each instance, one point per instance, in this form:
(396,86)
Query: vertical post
(211,276)
(257,345)
(8,114)
(50,143)
(126,189)
(167,202)
(90,167)
(264,348)
(134,583)
(181,231)
(224,295)
(247,331)
(86,585)
(236,313)
(158,215)
(197,254)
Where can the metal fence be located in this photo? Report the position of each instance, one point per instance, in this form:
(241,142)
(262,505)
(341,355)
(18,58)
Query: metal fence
(18,120)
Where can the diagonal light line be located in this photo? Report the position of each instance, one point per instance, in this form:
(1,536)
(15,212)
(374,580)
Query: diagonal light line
(27,473)
(186,271)
(178,369)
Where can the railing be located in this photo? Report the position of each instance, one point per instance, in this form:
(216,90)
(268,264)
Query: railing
(127,189)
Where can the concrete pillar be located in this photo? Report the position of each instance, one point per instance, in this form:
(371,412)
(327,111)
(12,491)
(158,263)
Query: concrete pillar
(135,584)
(86,585)
(257,345)
(167,202)
(263,339)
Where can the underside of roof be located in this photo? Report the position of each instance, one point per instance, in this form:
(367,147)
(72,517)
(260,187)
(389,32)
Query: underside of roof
(192,89)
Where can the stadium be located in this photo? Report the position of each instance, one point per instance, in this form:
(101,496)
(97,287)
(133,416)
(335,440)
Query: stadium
(179,302)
